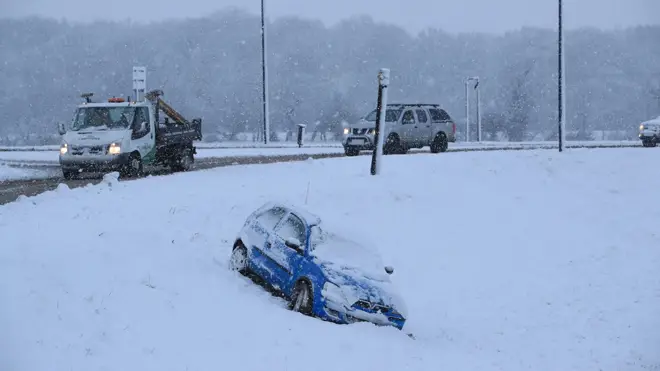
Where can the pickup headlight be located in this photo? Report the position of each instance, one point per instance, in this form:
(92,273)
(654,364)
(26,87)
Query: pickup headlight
(114,149)
(347,131)
(641,127)
(64,148)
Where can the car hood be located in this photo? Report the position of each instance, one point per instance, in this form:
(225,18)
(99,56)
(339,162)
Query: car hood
(358,271)
(94,137)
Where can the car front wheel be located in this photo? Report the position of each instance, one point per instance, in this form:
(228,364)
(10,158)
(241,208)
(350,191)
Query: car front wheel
(302,300)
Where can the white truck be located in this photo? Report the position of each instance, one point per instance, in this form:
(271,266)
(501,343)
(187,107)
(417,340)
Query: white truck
(123,135)
(649,132)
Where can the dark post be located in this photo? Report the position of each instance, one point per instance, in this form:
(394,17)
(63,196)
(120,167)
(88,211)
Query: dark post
(264,73)
(301,134)
(560,107)
(383,82)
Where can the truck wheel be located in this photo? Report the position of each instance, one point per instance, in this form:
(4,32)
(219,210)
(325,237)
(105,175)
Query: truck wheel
(350,151)
(439,143)
(183,162)
(69,174)
(649,143)
(134,167)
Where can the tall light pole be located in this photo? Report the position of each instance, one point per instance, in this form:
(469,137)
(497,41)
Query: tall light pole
(561,113)
(264,71)
(467,108)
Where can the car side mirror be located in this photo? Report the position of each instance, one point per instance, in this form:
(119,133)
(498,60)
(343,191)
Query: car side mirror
(60,128)
(293,243)
(389,269)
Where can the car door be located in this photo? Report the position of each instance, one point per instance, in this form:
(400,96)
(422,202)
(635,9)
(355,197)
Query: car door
(287,261)
(261,233)
(408,131)
(423,127)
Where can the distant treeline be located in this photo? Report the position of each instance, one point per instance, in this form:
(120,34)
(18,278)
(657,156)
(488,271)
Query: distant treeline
(320,76)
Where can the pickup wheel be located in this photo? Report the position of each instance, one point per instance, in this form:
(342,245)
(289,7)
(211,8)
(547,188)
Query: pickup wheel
(439,143)
(393,145)
(69,174)
(350,151)
(649,143)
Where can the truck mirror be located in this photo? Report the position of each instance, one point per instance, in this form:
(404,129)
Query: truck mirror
(60,128)
(142,128)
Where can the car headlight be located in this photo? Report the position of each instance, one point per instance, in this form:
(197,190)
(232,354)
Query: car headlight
(64,148)
(334,294)
(347,131)
(114,149)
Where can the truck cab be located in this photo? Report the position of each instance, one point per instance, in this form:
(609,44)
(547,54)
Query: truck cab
(406,126)
(123,136)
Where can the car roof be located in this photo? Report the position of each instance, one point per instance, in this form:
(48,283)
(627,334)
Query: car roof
(310,218)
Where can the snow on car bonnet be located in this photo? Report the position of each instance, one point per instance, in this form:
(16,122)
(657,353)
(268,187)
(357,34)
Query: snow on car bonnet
(345,255)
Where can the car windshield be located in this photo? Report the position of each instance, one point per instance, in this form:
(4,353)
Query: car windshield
(103,118)
(391,115)
(344,254)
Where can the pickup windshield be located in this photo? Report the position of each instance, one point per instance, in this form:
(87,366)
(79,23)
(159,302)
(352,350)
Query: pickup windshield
(391,115)
(103,118)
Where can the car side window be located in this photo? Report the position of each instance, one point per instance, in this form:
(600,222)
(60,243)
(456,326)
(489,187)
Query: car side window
(292,227)
(408,118)
(271,217)
(439,115)
(421,116)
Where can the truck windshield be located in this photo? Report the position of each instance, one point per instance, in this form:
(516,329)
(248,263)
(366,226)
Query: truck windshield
(391,115)
(103,118)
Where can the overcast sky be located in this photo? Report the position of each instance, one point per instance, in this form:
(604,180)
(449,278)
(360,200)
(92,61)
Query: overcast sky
(414,15)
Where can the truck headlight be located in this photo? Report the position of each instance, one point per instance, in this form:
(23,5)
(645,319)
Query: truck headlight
(346,131)
(114,149)
(641,127)
(64,148)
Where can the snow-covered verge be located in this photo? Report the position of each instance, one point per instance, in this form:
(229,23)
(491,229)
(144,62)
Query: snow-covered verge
(14,173)
(506,260)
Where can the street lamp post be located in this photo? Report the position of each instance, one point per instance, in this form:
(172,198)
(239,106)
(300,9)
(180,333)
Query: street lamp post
(264,71)
(561,113)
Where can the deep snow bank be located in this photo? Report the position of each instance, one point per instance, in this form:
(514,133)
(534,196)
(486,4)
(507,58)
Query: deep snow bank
(509,260)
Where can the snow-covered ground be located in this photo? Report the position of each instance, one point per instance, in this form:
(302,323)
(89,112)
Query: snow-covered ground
(206,150)
(14,173)
(510,261)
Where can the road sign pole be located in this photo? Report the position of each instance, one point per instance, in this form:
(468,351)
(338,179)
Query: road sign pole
(381,109)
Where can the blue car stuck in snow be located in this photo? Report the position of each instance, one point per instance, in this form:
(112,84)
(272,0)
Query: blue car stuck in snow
(321,274)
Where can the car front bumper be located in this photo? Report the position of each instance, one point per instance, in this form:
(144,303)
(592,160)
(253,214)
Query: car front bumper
(360,142)
(91,163)
(339,313)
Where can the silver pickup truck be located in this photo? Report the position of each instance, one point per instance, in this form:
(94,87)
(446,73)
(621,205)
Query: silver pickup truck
(649,132)
(406,126)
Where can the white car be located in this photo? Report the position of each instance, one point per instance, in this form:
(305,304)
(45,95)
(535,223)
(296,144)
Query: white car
(406,126)
(649,132)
